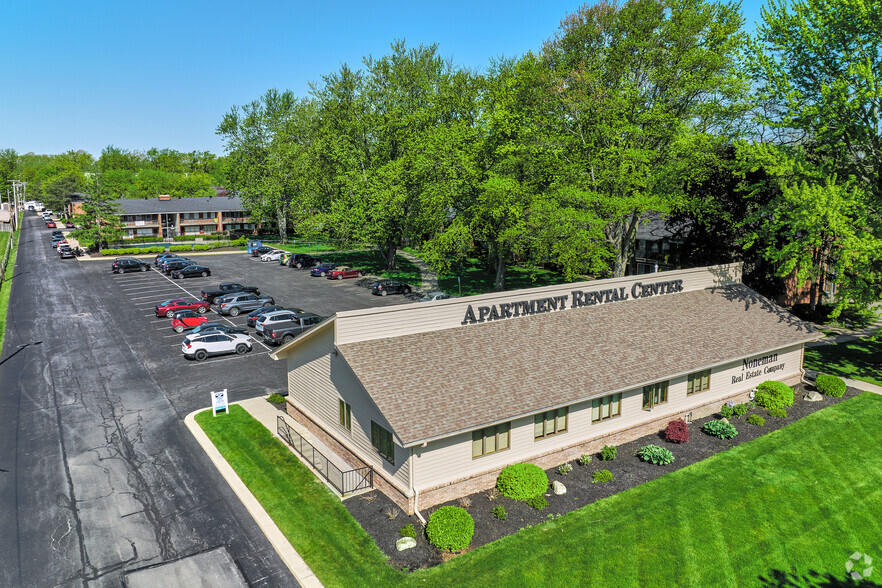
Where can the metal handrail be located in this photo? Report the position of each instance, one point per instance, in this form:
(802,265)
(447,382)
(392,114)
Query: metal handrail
(344,482)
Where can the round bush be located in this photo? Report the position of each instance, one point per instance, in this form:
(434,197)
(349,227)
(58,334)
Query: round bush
(655,455)
(757,420)
(677,431)
(522,481)
(830,385)
(450,528)
(778,413)
(772,394)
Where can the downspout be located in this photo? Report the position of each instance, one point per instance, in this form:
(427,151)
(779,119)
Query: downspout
(416,493)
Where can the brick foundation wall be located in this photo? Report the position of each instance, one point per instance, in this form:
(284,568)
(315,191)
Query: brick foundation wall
(462,487)
(380,483)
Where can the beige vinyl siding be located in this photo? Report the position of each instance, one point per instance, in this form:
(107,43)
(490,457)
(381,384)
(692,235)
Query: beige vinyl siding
(451,459)
(395,321)
(317,380)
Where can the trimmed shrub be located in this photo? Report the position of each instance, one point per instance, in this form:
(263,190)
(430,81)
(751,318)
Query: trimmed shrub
(830,385)
(201,247)
(677,431)
(522,481)
(655,455)
(757,420)
(740,410)
(538,502)
(499,512)
(608,453)
(719,429)
(564,469)
(772,394)
(601,476)
(727,412)
(181,248)
(239,242)
(585,458)
(450,528)
(408,531)
(276,398)
(778,413)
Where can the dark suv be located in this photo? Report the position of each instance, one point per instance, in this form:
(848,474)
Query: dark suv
(299,260)
(384,287)
(129,264)
(282,332)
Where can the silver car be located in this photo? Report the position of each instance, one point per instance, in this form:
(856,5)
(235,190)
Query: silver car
(234,304)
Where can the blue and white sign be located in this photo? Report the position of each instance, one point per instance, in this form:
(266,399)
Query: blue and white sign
(219,402)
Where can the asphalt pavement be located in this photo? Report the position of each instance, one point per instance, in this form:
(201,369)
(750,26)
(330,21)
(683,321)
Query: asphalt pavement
(99,476)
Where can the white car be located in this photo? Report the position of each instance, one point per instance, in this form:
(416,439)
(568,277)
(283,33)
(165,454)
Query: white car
(273,255)
(201,346)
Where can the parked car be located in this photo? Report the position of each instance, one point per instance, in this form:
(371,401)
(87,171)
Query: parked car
(163,256)
(129,264)
(171,265)
(191,271)
(186,319)
(50,225)
(68,224)
(202,346)
(285,258)
(255,315)
(170,307)
(233,305)
(163,265)
(57,233)
(56,240)
(322,269)
(385,287)
(283,331)
(258,251)
(60,244)
(272,255)
(433,296)
(65,252)
(345,272)
(301,260)
(218,328)
(227,288)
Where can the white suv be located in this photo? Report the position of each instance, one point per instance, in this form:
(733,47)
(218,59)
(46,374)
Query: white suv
(201,346)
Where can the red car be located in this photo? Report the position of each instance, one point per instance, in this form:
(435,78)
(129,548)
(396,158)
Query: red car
(170,307)
(68,225)
(345,272)
(50,225)
(187,319)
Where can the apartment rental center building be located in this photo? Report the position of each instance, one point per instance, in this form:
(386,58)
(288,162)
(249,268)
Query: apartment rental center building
(439,397)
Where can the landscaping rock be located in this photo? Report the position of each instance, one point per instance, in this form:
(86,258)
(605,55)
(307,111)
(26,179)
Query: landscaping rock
(725,420)
(813,396)
(405,543)
(558,488)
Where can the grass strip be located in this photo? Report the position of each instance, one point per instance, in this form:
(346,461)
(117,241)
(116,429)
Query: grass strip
(789,508)
(6,286)
(859,360)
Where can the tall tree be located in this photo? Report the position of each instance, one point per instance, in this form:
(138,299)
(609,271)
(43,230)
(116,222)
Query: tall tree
(627,84)
(99,220)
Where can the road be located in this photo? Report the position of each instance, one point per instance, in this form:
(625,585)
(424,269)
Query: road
(98,474)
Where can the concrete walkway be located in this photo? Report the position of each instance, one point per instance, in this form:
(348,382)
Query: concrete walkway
(427,274)
(301,572)
(865,386)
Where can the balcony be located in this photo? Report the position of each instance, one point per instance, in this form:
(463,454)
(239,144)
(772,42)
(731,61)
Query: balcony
(198,221)
(140,224)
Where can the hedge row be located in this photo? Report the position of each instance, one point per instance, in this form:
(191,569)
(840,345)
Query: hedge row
(172,248)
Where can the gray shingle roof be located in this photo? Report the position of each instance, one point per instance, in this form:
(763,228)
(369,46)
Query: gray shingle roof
(156,206)
(430,385)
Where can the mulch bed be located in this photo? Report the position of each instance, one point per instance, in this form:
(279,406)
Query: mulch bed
(383,520)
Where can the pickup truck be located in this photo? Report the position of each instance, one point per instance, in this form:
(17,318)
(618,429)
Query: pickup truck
(282,332)
(211,296)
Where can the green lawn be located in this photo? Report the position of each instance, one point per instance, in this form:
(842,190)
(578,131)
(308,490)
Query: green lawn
(477,279)
(6,287)
(373,262)
(858,360)
(798,501)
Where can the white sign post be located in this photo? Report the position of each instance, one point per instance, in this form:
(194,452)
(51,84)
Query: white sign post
(219,402)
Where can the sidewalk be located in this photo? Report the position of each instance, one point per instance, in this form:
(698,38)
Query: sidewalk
(427,275)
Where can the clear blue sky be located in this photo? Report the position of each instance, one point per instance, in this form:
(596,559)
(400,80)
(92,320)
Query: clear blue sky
(84,75)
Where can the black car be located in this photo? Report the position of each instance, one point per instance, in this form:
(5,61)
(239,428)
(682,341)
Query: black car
(218,328)
(175,264)
(261,250)
(57,234)
(282,332)
(384,287)
(128,264)
(163,256)
(66,252)
(299,260)
(190,271)
(163,263)
(257,312)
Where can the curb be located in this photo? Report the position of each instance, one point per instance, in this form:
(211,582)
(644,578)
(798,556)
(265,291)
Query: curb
(299,569)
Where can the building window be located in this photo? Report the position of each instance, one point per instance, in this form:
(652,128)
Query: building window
(655,394)
(490,440)
(550,423)
(381,439)
(698,382)
(345,415)
(606,407)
